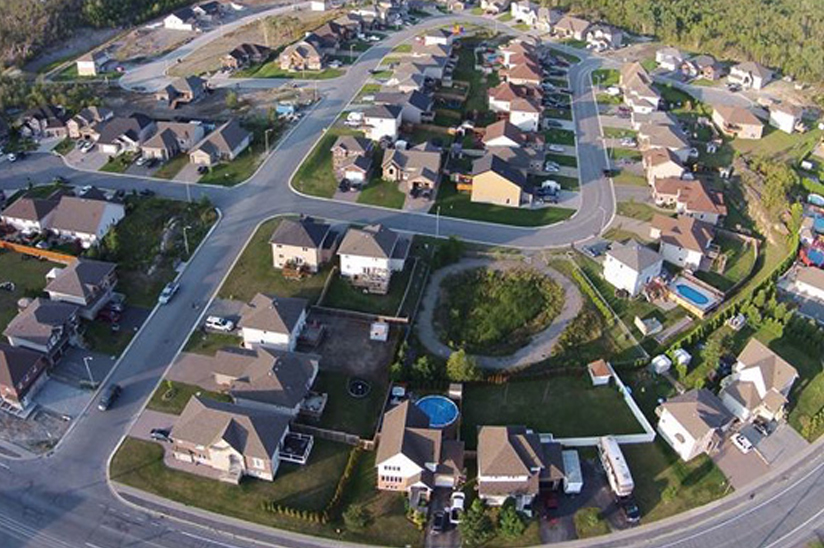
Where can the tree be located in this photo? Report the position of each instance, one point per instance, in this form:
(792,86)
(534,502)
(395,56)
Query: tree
(356,517)
(509,522)
(232,101)
(476,527)
(462,367)
(423,370)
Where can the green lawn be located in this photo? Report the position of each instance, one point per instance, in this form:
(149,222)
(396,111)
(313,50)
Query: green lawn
(139,464)
(619,133)
(383,193)
(629,154)
(458,204)
(621,235)
(64,147)
(558,113)
(607,99)
(253,273)
(402,48)
(478,83)
(171,168)
(118,164)
(29,277)
(505,18)
(567,183)
(208,342)
(237,170)
(523,27)
(740,260)
(636,210)
(625,177)
(101,338)
(315,175)
(357,416)
(606,77)
(649,64)
(564,406)
(779,145)
(590,523)
(562,159)
(173,400)
(272,70)
(566,56)
(560,136)
(342,294)
(665,486)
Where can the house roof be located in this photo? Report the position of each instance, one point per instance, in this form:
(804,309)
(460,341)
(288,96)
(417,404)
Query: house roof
(635,256)
(81,215)
(737,115)
(506,91)
(636,80)
(811,276)
(503,128)
(525,71)
(695,195)
(494,163)
(669,51)
(37,321)
(509,451)
(664,135)
(184,14)
(81,278)
(518,158)
(416,163)
(306,48)
(698,411)
(30,209)
(775,371)
(305,232)
(245,50)
(684,231)
(168,134)
(92,114)
(754,68)
(252,433)
(658,156)
(405,430)
(224,139)
(270,313)
(420,100)
(572,24)
(16,363)
(352,144)
(599,368)
(386,112)
(525,105)
(119,126)
(372,241)
(703,61)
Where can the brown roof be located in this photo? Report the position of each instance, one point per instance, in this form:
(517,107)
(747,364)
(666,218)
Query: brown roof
(301,233)
(416,163)
(352,144)
(525,71)
(251,432)
(698,411)
(739,116)
(599,368)
(503,128)
(30,209)
(693,194)
(37,322)
(405,430)
(371,241)
(664,135)
(658,156)
(775,371)
(509,451)
(82,215)
(572,24)
(15,364)
(81,278)
(683,231)
(636,80)
(270,313)
(812,276)
(525,105)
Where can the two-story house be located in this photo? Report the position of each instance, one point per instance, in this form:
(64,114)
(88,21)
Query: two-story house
(692,198)
(29,215)
(305,244)
(369,256)
(693,423)
(630,267)
(418,167)
(86,283)
(271,321)
(684,241)
(44,326)
(85,220)
(22,374)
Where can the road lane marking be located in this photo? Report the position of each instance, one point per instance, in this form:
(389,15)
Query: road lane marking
(206,539)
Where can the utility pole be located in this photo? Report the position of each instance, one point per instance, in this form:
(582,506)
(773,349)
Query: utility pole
(188,192)
(186,241)
(438,222)
(86,360)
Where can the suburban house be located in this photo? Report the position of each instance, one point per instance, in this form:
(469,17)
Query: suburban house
(523,74)
(809,282)
(21,375)
(438,37)
(737,122)
(85,220)
(222,145)
(759,384)
(83,124)
(417,106)
(693,423)
(703,66)
(414,458)
(47,121)
(496,182)
(504,94)
(124,134)
(547,19)
(692,198)
(352,159)
(603,37)
(514,463)
(182,19)
(750,75)
(495,7)
(660,163)
(525,114)
(182,91)
(44,326)
(303,55)
(418,167)
(369,256)
(786,117)
(91,64)
(571,27)
(29,215)
(636,83)
(668,136)
(246,54)
(632,266)
(524,12)
(669,58)
(382,122)
(86,283)
(303,244)
(271,321)
(517,52)
(504,133)
(209,11)
(684,241)
(526,160)
(171,139)
(232,439)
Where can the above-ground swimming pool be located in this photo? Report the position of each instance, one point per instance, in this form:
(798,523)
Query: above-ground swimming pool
(694,295)
(441,410)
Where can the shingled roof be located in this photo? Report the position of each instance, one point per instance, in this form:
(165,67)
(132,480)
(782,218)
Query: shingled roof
(81,278)
(301,233)
(271,313)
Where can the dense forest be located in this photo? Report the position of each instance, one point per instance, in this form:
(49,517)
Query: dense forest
(785,34)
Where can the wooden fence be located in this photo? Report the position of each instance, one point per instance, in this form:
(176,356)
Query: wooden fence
(45,254)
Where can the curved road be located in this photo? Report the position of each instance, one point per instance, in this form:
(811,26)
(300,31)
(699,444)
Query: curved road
(64,500)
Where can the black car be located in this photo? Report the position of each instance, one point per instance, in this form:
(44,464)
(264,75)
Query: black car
(552,123)
(439,522)
(344,186)
(160,434)
(630,508)
(110,395)
(146,192)
(202,169)
(610,172)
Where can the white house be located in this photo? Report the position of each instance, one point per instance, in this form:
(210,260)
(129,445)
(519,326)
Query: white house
(29,215)
(91,63)
(692,423)
(524,12)
(370,255)
(85,219)
(669,58)
(525,114)
(182,19)
(272,321)
(318,5)
(639,95)
(684,241)
(382,122)
(750,75)
(785,117)
(809,282)
(631,267)
(759,384)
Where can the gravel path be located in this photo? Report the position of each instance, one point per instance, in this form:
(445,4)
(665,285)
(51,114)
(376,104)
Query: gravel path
(541,345)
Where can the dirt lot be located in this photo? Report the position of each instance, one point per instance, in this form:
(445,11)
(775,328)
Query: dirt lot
(145,43)
(346,346)
(37,434)
(207,58)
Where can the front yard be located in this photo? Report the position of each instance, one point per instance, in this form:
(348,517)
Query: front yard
(637,210)
(315,175)
(247,162)
(171,168)
(171,397)
(380,192)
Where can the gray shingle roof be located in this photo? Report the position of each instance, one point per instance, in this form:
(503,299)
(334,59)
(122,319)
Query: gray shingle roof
(698,411)
(635,256)
(81,278)
(371,241)
(39,320)
(302,233)
(270,313)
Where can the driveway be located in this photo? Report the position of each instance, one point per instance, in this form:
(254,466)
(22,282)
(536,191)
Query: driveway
(90,161)
(64,399)
(780,446)
(188,174)
(739,468)
(71,368)
(148,420)
(451,538)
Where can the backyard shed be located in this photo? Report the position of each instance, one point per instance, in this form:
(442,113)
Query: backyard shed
(573,478)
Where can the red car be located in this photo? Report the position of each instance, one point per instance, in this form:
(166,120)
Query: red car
(108,315)
(550,501)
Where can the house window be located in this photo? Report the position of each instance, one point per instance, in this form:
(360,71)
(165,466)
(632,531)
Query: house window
(258,463)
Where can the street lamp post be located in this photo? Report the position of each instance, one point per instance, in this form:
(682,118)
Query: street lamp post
(186,241)
(438,222)
(189,192)
(266,138)
(86,360)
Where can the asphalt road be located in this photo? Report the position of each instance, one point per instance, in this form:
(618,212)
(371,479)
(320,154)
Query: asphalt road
(64,500)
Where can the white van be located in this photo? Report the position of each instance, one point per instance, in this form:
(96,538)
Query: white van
(216,323)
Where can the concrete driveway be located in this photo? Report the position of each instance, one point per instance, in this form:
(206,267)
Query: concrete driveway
(90,161)
(64,399)
(739,468)
(188,174)
(149,420)
(781,445)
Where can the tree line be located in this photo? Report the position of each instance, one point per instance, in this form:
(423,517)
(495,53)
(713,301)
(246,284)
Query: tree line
(784,34)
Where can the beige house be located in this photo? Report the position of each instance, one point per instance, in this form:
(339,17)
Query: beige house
(661,163)
(303,55)
(88,284)
(418,167)
(572,27)
(691,198)
(304,244)
(495,182)
(229,438)
(171,139)
(222,145)
(693,423)
(91,64)
(84,122)
(21,375)
(737,122)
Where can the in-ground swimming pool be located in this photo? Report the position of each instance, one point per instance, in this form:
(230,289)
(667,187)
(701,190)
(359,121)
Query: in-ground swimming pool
(692,295)
(441,410)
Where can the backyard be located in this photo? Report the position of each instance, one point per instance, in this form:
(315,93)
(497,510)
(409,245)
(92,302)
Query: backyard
(29,277)
(315,176)
(342,294)
(344,412)
(738,257)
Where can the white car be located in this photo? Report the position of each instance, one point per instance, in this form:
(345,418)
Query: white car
(552,169)
(613,91)
(456,507)
(742,443)
(217,323)
(335,64)
(12,157)
(555,148)
(168,292)
(141,161)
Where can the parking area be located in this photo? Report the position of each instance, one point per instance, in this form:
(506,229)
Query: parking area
(740,468)
(63,399)
(439,502)
(779,446)
(148,421)
(92,160)
(71,369)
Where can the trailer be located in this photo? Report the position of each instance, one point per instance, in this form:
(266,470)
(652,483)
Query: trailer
(573,478)
(616,467)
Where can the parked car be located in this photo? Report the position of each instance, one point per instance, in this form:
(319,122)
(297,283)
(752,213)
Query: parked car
(630,508)
(108,315)
(217,323)
(552,123)
(168,292)
(610,172)
(115,306)
(110,395)
(202,170)
(550,502)
(555,148)
(160,434)
(141,161)
(439,522)
(456,507)
(12,157)
(742,443)
(147,193)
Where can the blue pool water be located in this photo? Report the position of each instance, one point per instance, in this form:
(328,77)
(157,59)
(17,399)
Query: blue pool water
(440,410)
(692,294)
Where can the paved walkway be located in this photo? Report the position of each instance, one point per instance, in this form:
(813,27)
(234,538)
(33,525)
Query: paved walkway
(542,343)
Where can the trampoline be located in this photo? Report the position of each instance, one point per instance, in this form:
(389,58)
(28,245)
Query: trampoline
(441,411)
(359,388)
